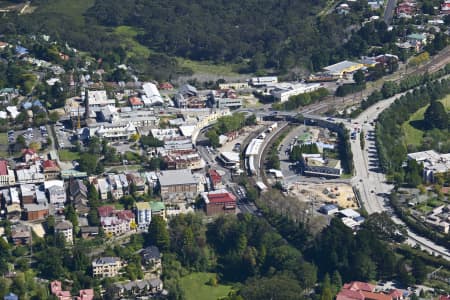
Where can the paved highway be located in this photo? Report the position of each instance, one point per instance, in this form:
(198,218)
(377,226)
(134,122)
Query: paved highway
(371,182)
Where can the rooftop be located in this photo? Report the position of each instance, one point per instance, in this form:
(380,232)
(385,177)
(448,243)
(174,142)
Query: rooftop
(143,206)
(176,177)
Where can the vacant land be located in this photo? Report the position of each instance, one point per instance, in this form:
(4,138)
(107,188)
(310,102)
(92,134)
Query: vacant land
(66,155)
(414,135)
(196,287)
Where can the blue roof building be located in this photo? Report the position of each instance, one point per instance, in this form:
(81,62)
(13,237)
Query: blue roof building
(11,296)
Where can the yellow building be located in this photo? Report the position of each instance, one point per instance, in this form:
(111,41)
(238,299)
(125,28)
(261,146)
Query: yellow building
(342,68)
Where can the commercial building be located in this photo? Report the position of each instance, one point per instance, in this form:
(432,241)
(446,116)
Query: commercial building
(104,267)
(6,174)
(230,160)
(57,196)
(143,215)
(219,202)
(158,209)
(116,222)
(32,174)
(66,229)
(151,95)
(177,185)
(433,163)
(282,92)
(329,209)
(120,131)
(98,99)
(343,68)
(35,211)
(263,81)
(234,85)
(224,98)
(28,193)
(51,170)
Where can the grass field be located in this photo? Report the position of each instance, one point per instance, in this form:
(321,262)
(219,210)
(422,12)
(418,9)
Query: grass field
(200,67)
(4,143)
(414,136)
(127,36)
(66,155)
(195,287)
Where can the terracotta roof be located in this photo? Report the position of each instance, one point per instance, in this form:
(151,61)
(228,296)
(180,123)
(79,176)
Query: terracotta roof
(396,294)
(359,286)
(375,296)
(221,197)
(55,286)
(125,215)
(49,164)
(28,151)
(345,294)
(135,101)
(3,167)
(166,86)
(444,297)
(215,177)
(105,211)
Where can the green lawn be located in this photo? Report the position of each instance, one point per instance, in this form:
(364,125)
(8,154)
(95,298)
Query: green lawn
(66,155)
(414,136)
(4,142)
(195,287)
(204,67)
(127,36)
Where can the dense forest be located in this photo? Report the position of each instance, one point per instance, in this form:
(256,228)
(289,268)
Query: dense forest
(276,35)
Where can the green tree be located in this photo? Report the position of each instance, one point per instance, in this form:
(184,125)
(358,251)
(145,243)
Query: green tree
(419,270)
(327,293)
(71,215)
(158,233)
(435,116)
(213,138)
(359,77)
(88,163)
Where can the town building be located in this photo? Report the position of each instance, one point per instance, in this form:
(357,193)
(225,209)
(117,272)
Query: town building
(151,258)
(263,81)
(97,99)
(139,289)
(183,159)
(215,179)
(21,235)
(329,209)
(357,290)
(158,209)
(151,94)
(103,188)
(78,195)
(120,131)
(116,222)
(224,98)
(28,193)
(35,211)
(234,85)
(136,103)
(51,170)
(57,291)
(7,177)
(143,215)
(283,91)
(343,68)
(219,202)
(66,229)
(11,296)
(433,163)
(177,185)
(57,196)
(105,267)
(30,174)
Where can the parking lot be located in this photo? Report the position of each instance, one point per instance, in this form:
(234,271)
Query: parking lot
(63,136)
(31,134)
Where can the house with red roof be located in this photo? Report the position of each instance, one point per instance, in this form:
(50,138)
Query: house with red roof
(445,7)
(219,202)
(56,289)
(358,290)
(29,155)
(136,102)
(6,174)
(165,86)
(215,179)
(116,222)
(87,294)
(51,169)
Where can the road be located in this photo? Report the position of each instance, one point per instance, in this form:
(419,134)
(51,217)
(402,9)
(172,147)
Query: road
(371,182)
(389,11)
